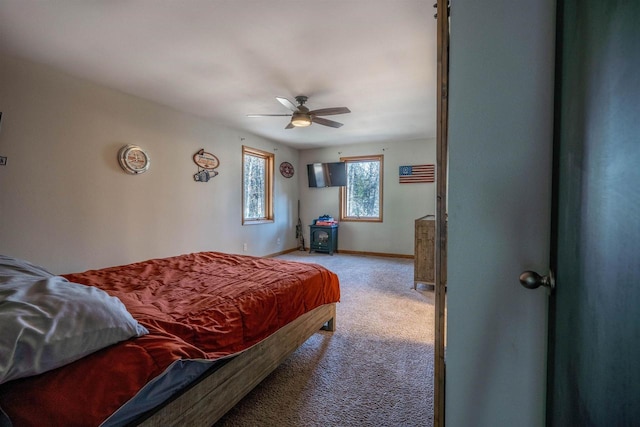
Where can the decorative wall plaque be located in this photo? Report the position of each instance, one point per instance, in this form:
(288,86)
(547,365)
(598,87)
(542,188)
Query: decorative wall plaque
(286,169)
(206,162)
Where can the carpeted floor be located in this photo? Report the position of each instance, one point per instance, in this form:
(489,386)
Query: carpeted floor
(376,369)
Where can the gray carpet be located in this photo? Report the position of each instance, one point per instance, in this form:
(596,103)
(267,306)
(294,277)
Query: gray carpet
(376,369)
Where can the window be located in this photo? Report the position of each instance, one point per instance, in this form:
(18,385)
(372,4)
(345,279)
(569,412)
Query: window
(257,186)
(361,198)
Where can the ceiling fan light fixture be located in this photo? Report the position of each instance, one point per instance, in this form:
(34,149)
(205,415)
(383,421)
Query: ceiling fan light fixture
(300,120)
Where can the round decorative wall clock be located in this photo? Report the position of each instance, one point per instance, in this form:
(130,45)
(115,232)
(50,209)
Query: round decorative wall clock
(286,169)
(133,159)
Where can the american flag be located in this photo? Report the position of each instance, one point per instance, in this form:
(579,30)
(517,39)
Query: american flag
(417,173)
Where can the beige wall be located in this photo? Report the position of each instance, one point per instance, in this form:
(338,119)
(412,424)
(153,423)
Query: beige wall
(66,204)
(402,203)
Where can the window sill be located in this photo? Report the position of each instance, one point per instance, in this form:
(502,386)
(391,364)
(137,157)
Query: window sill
(256,221)
(360,219)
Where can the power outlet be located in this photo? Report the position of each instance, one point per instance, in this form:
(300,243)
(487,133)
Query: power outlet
(244,247)
(278,241)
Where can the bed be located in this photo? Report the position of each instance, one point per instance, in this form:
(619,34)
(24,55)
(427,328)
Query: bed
(198,332)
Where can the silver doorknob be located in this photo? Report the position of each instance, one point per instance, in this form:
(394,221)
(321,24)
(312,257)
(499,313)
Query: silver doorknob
(532,280)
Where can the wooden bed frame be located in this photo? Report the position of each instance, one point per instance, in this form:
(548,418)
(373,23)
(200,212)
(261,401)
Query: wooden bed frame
(207,401)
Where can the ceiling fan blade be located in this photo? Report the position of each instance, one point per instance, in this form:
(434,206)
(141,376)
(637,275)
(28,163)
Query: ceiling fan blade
(330,111)
(290,105)
(268,115)
(289,126)
(325,122)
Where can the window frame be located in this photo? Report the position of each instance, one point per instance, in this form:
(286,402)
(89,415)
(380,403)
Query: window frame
(269,159)
(343,190)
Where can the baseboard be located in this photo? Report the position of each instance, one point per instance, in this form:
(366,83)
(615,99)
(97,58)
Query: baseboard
(345,252)
(286,251)
(382,254)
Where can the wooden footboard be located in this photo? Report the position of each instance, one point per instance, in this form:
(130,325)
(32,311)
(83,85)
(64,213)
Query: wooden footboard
(210,399)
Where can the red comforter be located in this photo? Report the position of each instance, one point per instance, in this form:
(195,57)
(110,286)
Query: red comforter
(198,306)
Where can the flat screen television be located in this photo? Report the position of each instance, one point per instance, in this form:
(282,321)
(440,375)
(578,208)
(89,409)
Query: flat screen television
(327,174)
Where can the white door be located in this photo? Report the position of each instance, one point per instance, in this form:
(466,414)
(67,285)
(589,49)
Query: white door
(500,148)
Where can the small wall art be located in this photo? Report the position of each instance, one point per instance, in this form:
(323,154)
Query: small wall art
(417,173)
(207,163)
(286,169)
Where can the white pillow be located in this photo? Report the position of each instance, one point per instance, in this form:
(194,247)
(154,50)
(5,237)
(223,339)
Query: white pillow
(47,321)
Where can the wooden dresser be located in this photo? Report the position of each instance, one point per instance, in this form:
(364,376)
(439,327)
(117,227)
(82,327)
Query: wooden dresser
(425,252)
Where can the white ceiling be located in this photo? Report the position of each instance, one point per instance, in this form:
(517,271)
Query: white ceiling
(224,59)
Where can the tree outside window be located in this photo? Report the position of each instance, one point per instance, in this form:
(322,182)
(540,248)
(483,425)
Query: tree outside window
(257,186)
(361,198)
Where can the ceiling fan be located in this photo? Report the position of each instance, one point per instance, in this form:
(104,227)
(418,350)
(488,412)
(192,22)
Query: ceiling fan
(301,116)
